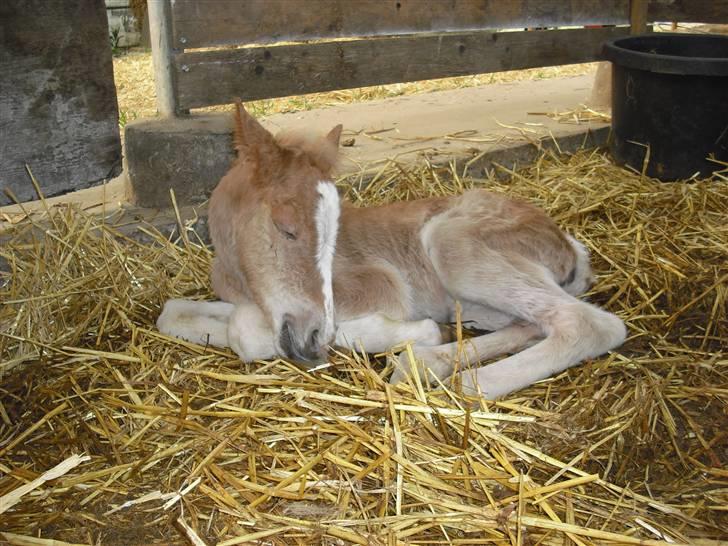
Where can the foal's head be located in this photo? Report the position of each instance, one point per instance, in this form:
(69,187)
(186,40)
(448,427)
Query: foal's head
(281,195)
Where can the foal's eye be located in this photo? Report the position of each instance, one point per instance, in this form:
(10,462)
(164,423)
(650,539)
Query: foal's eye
(288,232)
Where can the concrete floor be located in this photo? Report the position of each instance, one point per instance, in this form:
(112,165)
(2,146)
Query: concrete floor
(448,122)
(461,123)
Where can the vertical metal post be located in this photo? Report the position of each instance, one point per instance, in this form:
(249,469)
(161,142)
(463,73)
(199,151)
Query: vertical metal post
(160,31)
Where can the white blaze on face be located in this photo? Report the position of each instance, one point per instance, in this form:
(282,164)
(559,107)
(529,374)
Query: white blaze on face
(327,226)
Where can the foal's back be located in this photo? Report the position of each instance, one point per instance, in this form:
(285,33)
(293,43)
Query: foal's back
(398,233)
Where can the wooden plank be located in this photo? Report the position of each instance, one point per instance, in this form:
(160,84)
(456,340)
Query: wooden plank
(638,16)
(265,72)
(204,23)
(689,11)
(58,111)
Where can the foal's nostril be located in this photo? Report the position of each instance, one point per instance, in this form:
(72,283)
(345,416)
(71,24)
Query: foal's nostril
(286,339)
(312,343)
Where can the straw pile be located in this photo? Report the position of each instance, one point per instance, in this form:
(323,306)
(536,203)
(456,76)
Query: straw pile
(111,433)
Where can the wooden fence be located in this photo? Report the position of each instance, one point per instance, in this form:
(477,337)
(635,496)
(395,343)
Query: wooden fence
(291,47)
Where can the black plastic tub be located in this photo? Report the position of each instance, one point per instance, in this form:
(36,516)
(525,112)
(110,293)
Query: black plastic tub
(670,93)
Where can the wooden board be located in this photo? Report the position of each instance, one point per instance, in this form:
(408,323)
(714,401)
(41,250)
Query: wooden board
(58,110)
(204,23)
(216,77)
(638,16)
(689,11)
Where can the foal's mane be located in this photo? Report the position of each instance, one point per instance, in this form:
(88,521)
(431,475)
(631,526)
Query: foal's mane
(322,153)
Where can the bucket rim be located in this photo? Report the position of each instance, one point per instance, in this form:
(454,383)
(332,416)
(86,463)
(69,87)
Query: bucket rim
(614,51)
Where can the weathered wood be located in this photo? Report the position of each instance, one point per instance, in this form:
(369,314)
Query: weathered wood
(638,16)
(58,111)
(160,34)
(204,23)
(689,11)
(265,72)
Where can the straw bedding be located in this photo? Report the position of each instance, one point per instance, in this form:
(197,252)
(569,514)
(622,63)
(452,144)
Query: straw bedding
(111,433)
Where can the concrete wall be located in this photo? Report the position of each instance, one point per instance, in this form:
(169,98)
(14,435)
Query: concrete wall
(58,111)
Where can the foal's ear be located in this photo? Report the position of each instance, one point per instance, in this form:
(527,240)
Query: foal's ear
(335,135)
(250,137)
(327,153)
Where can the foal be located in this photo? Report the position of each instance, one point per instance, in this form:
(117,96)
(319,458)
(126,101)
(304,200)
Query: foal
(298,271)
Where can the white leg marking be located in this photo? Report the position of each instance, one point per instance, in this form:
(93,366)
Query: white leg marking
(242,327)
(327,226)
(249,334)
(377,333)
(202,322)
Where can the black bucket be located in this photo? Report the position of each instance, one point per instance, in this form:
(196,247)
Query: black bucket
(670,92)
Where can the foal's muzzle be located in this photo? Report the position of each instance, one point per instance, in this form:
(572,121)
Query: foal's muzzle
(301,344)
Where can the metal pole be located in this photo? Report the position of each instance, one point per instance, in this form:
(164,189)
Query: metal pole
(160,31)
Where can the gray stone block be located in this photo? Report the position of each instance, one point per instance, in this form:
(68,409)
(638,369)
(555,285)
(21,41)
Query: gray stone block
(188,154)
(58,113)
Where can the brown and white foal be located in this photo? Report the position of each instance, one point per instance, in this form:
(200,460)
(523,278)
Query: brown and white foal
(298,271)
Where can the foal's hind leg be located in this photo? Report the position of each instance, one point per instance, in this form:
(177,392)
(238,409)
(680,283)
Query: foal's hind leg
(508,282)
(440,359)
(505,337)
(574,330)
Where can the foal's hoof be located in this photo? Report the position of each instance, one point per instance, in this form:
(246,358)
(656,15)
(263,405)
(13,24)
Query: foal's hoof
(428,334)
(484,384)
(430,363)
(402,368)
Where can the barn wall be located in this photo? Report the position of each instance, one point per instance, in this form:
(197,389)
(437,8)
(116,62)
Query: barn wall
(58,111)
(125,30)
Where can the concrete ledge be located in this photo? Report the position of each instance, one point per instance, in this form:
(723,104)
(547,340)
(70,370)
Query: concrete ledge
(502,124)
(508,157)
(188,155)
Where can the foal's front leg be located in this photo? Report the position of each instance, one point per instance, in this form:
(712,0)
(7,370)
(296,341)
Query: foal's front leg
(377,333)
(249,333)
(372,294)
(242,327)
(201,322)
